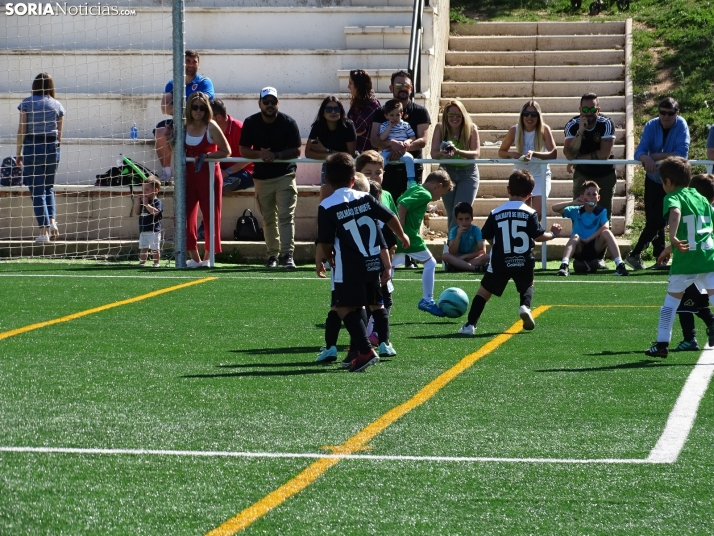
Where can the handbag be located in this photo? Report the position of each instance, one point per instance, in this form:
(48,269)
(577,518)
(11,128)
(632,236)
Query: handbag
(10,172)
(247,228)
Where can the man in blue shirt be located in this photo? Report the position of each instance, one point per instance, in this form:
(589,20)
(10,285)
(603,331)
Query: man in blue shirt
(194,82)
(663,136)
(591,232)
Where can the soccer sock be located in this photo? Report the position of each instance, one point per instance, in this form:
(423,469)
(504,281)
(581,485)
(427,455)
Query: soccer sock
(381,324)
(527,297)
(565,260)
(333,323)
(427,279)
(666,318)
(363,315)
(706,315)
(358,332)
(477,306)
(618,260)
(687,322)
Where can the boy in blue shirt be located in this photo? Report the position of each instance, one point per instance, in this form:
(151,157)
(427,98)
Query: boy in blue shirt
(466,251)
(591,232)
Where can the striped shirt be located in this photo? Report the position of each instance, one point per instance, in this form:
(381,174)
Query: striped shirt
(402,131)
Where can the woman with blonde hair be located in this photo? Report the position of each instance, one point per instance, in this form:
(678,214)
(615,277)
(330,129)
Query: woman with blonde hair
(533,140)
(204,139)
(457,137)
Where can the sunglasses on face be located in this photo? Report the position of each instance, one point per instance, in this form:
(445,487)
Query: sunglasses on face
(404,86)
(668,113)
(587,110)
(454,116)
(332,109)
(270,102)
(199,108)
(529,114)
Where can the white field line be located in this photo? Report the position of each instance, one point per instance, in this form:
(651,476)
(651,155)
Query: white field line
(681,419)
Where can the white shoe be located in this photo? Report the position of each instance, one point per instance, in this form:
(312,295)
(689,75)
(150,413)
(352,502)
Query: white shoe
(525,314)
(42,238)
(54,231)
(167,176)
(156,265)
(467,329)
(190,263)
(205,264)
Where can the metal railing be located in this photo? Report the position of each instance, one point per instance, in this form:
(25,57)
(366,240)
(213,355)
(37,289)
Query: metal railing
(414,65)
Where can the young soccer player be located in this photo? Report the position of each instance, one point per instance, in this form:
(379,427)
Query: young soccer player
(513,228)
(349,237)
(690,233)
(591,231)
(394,128)
(467,252)
(149,208)
(412,207)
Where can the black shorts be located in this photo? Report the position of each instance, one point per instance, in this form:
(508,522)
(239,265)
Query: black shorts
(163,124)
(357,294)
(589,253)
(693,301)
(496,283)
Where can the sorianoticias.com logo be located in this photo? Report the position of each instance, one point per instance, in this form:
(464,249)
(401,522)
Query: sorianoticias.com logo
(57,8)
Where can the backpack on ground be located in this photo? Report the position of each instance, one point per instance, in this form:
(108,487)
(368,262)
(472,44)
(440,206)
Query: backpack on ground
(10,172)
(126,175)
(247,228)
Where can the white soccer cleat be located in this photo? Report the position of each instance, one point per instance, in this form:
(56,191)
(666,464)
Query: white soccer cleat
(525,314)
(467,329)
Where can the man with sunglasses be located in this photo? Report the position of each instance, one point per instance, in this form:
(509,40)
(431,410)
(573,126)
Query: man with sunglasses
(271,135)
(663,136)
(194,82)
(591,136)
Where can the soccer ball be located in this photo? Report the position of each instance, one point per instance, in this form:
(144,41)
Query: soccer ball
(585,267)
(453,302)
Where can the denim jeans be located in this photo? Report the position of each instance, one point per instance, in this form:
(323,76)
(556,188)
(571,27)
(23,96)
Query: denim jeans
(39,165)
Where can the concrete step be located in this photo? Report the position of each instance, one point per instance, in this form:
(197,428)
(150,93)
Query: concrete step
(502,171)
(484,204)
(492,151)
(359,37)
(555,121)
(381,80)
(558,188)
(539,58)
(529,74)
(383,3)
(495,137)
(539,42)
(539,28)
(548,105)
(438,223)
(526,89)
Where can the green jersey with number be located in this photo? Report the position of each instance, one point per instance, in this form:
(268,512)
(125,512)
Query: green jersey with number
(415,199)
(695,228)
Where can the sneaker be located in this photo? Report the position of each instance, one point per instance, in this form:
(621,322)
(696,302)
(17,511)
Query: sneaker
(167,176)
(710,334)
(42,238)
(410,263)
(272,262)
(347,361)
(635,262)
(327,355)
(621,269)
(54,231)
(467,329)
(374,339)
(525,314)
(564,270)
(601,264)
(156,265)
(205,264)
(445,266)
(190,263)
(386,350)
(362,361)
(287,261)
(142,264)
(430,307)
(658,266)
(687,346)
(658,349)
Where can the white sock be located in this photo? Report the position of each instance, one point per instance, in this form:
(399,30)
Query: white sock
(565,260)
(666,318)
(618,260)
(167,171)
(427,279)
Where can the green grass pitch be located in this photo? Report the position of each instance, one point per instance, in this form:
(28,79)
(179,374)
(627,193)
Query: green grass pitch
(227,366)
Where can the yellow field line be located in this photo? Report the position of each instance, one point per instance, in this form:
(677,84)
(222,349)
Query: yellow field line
(607,306)
(357,442)
(74,316)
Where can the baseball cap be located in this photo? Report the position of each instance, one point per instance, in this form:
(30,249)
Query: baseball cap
(268,91)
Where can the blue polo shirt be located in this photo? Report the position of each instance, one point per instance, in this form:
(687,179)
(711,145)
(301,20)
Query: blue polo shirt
(469,239)
(586,223)
(199,83)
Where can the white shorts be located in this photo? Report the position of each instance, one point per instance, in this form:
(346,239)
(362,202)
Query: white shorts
(421,256)
(680,282)
(150,241)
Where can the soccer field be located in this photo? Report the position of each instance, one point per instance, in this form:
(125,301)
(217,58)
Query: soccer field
(189,402)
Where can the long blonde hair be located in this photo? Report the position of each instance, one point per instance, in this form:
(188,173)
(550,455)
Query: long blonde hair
(466,124)
(539,141)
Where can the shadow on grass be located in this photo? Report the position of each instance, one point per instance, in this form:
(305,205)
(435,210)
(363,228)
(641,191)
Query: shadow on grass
(645,363)
(456,336)
(274,365)
(278,351)
(263,373)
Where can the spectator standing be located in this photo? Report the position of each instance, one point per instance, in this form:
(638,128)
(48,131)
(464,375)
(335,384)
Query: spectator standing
(395,176)
(39,135)
(272,135)
(663,136)
(164,129)
(363,106)
(236,175)
(204,139)
(457,137)
(533,140)
(591,136)
(150,210)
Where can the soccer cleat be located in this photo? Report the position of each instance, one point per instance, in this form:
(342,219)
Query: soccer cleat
(621,269)
(601,264)
(327,355)
(386,350)
(410,263)
(190,263)
(362,361)
(272,262)
(347,361)
(467,329)
(430,307)
(635,262)
(658,266)
(564,270)
(525,314)
(658,349)
(687,346)
(710,334)
(287,261)
(445,266)
(374,339)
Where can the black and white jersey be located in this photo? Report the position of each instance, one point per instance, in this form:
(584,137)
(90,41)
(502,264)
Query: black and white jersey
(604,129)
(347,220)
(511,229)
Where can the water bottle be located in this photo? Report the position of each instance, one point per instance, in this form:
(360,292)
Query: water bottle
(120,160)
(134,132)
